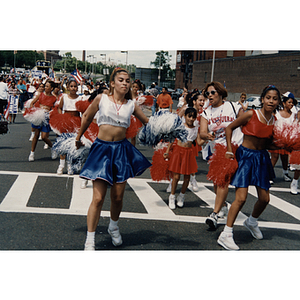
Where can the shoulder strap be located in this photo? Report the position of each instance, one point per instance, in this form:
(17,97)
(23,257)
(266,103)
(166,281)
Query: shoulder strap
(233,108)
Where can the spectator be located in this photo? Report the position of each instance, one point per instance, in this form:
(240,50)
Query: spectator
(3,95)
(164,100)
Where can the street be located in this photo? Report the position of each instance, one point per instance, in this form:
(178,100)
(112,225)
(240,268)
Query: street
(40,210)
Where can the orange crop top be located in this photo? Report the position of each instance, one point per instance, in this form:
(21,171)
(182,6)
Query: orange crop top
(256,128)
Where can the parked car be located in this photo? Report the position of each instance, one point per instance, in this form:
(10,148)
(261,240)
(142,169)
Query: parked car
(253,102)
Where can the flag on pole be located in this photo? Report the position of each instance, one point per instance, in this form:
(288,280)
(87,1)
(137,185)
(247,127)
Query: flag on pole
(77,76)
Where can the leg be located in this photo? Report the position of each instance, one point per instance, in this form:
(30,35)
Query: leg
(116,195)
(261,203)
(274,158)
(180,198)
(221,195)
(45,138)
(226,237)
(93,216)
(175,180)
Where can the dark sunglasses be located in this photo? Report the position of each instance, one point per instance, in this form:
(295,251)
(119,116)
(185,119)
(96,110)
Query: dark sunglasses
(211,92)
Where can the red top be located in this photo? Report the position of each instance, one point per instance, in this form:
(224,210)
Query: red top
(47,100)
(256,128)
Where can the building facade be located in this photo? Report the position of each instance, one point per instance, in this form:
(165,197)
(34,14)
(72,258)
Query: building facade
(240,71)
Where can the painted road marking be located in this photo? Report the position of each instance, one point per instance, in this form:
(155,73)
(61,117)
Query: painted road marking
(19,194)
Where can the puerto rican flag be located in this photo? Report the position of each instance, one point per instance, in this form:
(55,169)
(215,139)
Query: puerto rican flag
(77,76)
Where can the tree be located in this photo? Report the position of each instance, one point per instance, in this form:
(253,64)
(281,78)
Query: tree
(162,60)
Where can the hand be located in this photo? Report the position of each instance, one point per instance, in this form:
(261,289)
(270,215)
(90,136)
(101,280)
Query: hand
(229,155)
(166,156)
(210,136)
(78,144)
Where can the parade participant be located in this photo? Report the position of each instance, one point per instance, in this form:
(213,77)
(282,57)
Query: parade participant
(164,100)
(13,101)
(45,101)
(23,93)
(254,164)
(183,160)
(40,90)
(3,95)
(284,116)
(153,92)
(67,105)
(214,119)
(242,102)
(112,158)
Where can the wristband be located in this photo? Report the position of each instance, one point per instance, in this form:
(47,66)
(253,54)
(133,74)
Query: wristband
(228,152)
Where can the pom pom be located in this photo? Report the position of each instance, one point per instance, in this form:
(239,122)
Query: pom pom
(144,100)
(160,166)
(92,132)
(64,123)
(287,135)
(82,105)
(221,169)
(36,115)
(163,126)
(65,145)
(133,129)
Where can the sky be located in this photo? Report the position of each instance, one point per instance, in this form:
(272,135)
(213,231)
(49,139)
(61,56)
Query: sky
(140,58)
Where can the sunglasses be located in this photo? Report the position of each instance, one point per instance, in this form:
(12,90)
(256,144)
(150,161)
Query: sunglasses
(211,92)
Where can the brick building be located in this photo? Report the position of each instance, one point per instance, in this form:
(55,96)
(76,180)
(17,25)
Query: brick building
(240,70)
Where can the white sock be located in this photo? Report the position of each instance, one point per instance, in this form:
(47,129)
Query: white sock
(31,152)
(62,162)
(252,220)
(90,236)
(113,225)
(32,134)
(228,229)
(295,181)
(181,195)
(285,172)
(193,177)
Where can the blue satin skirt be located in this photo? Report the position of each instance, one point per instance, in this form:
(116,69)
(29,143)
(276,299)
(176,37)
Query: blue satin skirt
(114,161)
(255,168)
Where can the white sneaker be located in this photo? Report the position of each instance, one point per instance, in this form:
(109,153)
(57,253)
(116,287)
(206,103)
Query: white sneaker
(40,137)
(180,200)
(194,184)
(169,188)
(172,201)
(294,187)
(46,146)
(83,184)
(226,240)
(116,238)
(31,138)
(60,170)
(89,246)
(255,231)
(223,212)
(31,157)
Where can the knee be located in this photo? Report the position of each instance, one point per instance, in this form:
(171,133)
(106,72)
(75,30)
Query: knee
(264,200)
(98,201)
(117,199)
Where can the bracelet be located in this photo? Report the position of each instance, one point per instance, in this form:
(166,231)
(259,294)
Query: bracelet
(228,152)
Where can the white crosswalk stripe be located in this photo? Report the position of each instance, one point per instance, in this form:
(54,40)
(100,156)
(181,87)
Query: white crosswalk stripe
(19,194)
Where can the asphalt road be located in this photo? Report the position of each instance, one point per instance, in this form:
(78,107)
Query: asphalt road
(42,211)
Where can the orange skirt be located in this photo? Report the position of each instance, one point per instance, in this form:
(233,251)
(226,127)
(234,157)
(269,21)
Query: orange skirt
(183,161)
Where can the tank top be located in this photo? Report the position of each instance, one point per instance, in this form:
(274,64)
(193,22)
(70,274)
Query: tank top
(281,120)
(69,104)
(114,114)
(47,100)
(192,133)
(256,128)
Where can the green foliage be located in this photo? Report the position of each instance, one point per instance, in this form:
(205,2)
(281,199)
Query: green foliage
(162,60)
(22,59)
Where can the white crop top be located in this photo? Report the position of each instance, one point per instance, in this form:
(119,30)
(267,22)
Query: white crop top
(114,114)
(192,133)
(69,104)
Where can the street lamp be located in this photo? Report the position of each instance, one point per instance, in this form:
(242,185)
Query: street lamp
(126,56)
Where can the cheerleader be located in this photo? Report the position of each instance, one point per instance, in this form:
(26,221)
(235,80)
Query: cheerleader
(13,96)
(254,164)
(45,101)
(214,119)
(67,105)
(183,160)
(112,158)
(284,116)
